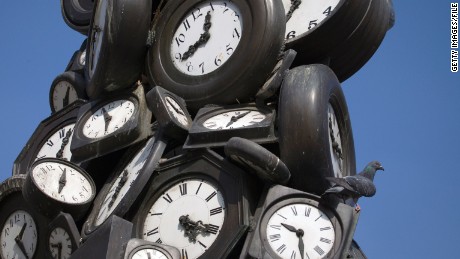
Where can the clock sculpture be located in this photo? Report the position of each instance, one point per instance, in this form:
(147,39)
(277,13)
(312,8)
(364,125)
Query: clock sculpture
(195,129)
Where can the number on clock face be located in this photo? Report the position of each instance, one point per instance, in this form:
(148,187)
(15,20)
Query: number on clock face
(307,15)
(62,182)
(192,203)
(63,95)
(284,225)
(60,244)
(122,184)
(224,25)
(18,238)
(58,144)
(149,253)
(234,119)
(108,118)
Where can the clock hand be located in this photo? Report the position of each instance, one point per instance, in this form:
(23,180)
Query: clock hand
(121,183)
(236,118)
(294,5)
(204,37)
(62,180)
(192,228)
(174,107)
(65,101)
(300,234)
(65,141)
(289,227)
(107,118)
(21,247)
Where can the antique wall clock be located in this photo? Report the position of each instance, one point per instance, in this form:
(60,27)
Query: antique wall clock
(215,125)
(314,128)
(77,14)
(50,139)
(63,237)
(294,224)
(111,123)
(198,203)
(66,89)
(116,44)
(142,249)
(54,185)
(225,49)
(23,231)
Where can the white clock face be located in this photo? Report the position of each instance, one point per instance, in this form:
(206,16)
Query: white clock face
(176,110)
(335,142)
(225,32)
(108,119)
(60,244)
(62,182)
(149,253)
(184,205)
(307,15)
(82,59)
(18,238)
(234,119)
(63,94)
(58,144)
(122,184)
(300,230)
(97,30)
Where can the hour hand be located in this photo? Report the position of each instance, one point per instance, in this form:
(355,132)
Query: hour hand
(62,181)
(107,118)
(289,227)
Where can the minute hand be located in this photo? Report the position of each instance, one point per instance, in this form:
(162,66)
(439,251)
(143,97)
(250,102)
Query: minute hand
(236,118)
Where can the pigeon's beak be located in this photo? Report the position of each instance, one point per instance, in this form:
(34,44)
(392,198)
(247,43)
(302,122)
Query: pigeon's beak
(381,168)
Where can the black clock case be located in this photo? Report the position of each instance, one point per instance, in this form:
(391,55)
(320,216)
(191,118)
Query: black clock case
(343,217)
(136,129)
(77,14)
(241,194)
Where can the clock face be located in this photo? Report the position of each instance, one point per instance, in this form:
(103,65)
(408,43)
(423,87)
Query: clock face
(149,253)
(62,182)
(299,230)
(60,244)
(82,58)
(58,144)
(335,141)
(64,93)
(188,216)
(234,119)
(206,38)
(18,237)
(176,111)
(109,118)
(307,14)
(122,184)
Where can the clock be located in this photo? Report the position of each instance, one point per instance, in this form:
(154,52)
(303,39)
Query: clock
(295,224)
(315,136)
(110,124)
(226,49)
(78,60)
(22,229)
(54,185)
(77,14)
(170,111)
(66,89)
(116,44)
(50,139)
(123,188)
(63,236)
(142,249)
(255,158)
(198,203)
(215,125)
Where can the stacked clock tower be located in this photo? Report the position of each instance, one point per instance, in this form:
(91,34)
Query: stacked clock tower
(195,129)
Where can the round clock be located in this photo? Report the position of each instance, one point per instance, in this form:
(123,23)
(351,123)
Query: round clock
(66,89)
(226,49)
(77,14)
(22,229)
(110,124)
(294,224)
(214,126)
(195,204)
(54,185)
(57,144)
(116,44)
(324,146)
(142,249)
(59,243)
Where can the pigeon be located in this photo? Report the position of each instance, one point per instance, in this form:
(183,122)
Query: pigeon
(351,188)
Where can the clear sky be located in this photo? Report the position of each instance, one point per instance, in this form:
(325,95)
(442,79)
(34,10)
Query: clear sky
(403,104)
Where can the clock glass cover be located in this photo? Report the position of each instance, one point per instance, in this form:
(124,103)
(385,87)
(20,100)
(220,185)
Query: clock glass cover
(58,144)
(234,119)
(18,236)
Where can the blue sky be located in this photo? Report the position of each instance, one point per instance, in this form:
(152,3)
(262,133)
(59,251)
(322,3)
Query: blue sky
(403,105)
